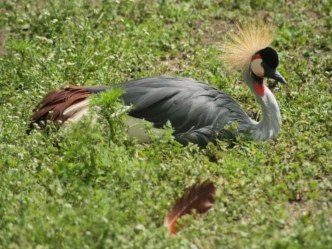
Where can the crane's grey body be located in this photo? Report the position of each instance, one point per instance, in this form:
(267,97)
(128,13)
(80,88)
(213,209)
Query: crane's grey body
(198,112)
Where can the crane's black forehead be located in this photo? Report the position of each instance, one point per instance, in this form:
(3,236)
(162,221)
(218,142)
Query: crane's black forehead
(269,56)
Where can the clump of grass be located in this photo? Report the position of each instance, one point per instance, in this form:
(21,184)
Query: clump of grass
(108,105)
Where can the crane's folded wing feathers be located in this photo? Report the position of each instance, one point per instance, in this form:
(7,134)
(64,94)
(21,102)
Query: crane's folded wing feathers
(198,112)
(187,104)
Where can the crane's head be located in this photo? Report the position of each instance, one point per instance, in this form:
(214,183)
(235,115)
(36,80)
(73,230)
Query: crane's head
(249,51)
(264,63)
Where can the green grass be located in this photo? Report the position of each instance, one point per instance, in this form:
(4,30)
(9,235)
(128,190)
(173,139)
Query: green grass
(86,188)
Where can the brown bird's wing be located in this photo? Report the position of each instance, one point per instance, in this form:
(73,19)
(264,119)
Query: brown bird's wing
(56,102)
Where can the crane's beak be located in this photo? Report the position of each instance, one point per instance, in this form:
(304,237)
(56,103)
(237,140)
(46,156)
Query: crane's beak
(278,77)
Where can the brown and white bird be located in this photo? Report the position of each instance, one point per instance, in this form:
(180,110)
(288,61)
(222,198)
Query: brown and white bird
(197,111)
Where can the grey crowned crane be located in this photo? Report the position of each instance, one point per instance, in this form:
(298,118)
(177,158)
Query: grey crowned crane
(197,111)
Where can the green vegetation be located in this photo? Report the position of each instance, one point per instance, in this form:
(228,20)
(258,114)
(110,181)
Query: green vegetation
(78,188)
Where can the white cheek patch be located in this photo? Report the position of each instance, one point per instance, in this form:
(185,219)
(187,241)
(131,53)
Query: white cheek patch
(256,67)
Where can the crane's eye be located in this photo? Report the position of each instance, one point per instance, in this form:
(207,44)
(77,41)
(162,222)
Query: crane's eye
(256,66)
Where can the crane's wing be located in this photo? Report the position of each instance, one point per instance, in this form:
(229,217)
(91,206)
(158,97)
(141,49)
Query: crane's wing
(198,112)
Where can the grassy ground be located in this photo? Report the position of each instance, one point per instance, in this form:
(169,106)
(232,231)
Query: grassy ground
(82,189)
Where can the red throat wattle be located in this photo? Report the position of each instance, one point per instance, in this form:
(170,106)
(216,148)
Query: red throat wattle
(259,88)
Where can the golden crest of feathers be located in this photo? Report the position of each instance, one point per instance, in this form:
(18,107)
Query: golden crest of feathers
(241,46)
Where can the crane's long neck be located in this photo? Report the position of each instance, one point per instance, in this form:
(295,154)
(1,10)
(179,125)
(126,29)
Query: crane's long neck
(270,123)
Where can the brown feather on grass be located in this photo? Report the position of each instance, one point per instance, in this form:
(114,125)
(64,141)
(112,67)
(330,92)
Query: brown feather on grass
(56,102)
(199,197)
